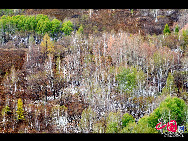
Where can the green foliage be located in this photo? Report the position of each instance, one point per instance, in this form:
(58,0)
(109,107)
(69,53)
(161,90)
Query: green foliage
(185,39)
(153,118)
(67,27)
(170,109)
(55,28)
(158,59)
(176,29)
(112,127)
(30,23)
(33,23)
(170,85)
(86,119)
(127,118)
(113,122)
(128,78)
(132,11)
(5,110)
(43,26)
(130,128)
(20,111)
(80,30)
(176,108)
(140,127)
(186,127)
(6,12)
(166,30)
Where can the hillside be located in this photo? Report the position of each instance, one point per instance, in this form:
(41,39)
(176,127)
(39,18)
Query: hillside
(148,21)
(92,70)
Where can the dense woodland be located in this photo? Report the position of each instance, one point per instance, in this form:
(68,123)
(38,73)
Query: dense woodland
(92,70)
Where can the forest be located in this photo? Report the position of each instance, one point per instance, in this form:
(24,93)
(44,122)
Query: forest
(93,70)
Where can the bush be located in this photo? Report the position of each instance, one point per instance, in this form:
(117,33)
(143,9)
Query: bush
(130,128)
(140,127)
(127,118)
(143,127)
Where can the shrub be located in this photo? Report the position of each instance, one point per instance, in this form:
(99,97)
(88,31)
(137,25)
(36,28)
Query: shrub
(127,118)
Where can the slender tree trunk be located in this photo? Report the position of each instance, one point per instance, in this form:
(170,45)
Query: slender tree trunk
(54,94)
(46,94)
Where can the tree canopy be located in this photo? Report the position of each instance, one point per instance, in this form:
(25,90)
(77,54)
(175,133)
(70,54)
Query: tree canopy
(171,108)
(40,24)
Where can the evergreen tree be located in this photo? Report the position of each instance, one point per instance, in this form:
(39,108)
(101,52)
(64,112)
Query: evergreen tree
(170,85)
(20,111)
(47,46)
(166,30)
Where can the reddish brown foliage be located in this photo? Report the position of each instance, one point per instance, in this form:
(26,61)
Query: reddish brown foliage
(8,58)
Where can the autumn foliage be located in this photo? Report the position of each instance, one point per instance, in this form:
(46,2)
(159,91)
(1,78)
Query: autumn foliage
(72,76)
